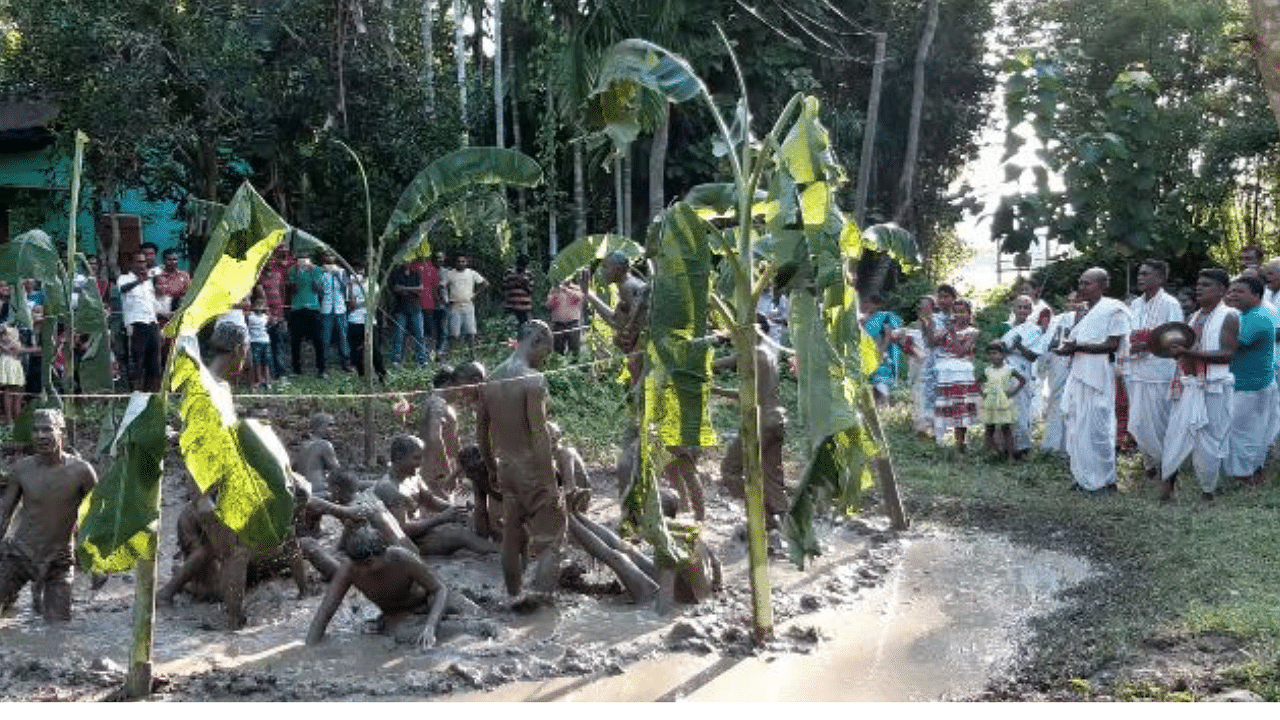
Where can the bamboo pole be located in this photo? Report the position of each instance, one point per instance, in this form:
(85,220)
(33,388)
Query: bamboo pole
(77,168)
(372,263)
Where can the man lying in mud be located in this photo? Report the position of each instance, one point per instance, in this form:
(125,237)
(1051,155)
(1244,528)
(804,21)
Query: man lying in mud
(317,461)
(431,522)
(645,580)
(49,487)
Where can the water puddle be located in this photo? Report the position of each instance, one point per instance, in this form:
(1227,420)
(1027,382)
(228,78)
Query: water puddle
(947,619)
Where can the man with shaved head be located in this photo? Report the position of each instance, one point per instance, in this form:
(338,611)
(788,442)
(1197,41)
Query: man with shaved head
(1147,377)
(1089,399)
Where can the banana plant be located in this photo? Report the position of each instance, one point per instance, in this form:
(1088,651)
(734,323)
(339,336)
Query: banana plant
(790,232)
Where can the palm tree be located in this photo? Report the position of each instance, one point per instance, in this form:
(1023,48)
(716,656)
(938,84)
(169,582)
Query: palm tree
(1266,20)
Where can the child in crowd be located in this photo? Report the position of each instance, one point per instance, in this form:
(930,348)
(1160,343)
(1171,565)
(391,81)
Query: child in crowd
(259,345)
(997,400)
(12,378)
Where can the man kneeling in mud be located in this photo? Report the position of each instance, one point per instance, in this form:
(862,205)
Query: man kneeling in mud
(410,597)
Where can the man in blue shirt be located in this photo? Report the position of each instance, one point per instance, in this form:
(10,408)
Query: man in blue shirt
(1255,403)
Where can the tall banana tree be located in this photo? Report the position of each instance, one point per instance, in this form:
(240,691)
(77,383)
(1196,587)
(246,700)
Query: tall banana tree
(782,191)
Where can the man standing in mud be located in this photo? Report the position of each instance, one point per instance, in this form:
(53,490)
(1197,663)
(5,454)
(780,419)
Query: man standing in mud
(50,485)
(628,318)
(512,414)
(317,461)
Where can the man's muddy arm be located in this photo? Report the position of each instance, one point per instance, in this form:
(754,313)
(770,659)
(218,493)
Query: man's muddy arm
(333,595)
(602,309)
(482,437)
(8,502)
(438,592)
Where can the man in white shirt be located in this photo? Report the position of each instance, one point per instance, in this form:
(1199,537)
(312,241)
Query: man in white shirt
(462,284)
(1148,377)
(138,307)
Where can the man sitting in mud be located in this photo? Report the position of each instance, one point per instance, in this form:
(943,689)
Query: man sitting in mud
(410,597)
(487,512)
(217,566)
(511,423)
(431,522)
(49,486)
(440,435)
(571,471)
(317,461)
(691,582)
(353,507)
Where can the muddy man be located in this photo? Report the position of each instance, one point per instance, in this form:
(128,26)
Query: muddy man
(317,461)
(512,416)
(49,486)
(433,524)
(440,434)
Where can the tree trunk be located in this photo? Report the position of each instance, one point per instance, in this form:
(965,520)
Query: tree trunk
(339,48)
(460,59)
(869,134)
(499,126)
(1266,22)
(619,214)
(579,192)
(137,683)
(907,189)
(428,59)
(517,136)
(658,163)
(627,165)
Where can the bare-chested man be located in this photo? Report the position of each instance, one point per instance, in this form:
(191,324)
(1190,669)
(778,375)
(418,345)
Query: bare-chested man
(440,434)
(394,579)
(512,415)
(354,507)
(432,523)
(487,515)
(50,486)
(316,460)
(629,317)
(773,420)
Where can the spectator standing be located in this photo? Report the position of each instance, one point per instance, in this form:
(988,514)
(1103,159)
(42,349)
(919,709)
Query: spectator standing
(356,319)
(564,302)
(463,284)
(7,315)
(406,293)
(880,324)
(440,313)
(1023,344)
(271,290)
(305,284)
(138,308)
(429,275)
(1255,402)
(333,309)
(171,284)
(1147,376)
(260,345)
(517,291)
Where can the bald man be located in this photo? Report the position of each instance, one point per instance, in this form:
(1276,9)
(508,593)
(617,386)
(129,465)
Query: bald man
(1089,398)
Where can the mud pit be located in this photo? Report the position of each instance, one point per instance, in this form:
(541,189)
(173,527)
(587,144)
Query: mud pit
(927,614)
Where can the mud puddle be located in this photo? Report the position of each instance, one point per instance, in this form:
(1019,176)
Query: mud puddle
(948,618)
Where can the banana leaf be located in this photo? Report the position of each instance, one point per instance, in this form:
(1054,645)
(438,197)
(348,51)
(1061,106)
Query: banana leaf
(628,69)
(243,458)
(34,255)
(456,171)
(581,253)
(488,209)
(246,234)
(895,240)
(717,201)
(120,524)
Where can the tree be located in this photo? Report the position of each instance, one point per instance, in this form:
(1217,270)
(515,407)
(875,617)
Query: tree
(1266,22)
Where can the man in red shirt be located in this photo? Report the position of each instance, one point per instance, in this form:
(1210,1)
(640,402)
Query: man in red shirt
(564,301)
(430,275)
(271,287)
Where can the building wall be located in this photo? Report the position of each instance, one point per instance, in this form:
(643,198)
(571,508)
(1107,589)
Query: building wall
(45,170)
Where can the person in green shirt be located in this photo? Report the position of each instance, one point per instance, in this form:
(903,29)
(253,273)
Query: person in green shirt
(305,286)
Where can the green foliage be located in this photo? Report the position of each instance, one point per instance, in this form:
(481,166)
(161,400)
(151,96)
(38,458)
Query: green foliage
(123,510)
(241,458)
(582,253)
(246,235)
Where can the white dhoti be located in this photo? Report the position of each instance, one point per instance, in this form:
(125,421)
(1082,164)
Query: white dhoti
(1023,416)
(1055,440)
(1198,426)
(1089,416)
(1253,428)
(1149,408)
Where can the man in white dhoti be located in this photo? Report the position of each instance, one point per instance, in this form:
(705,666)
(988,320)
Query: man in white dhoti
(1148,377)
(1201,417)
(1026,341)
(1271,295)
(1089,398)
(1255,402)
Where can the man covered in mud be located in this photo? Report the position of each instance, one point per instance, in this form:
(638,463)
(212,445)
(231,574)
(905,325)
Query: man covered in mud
(773,421)
(391,577)
(50,486)
(431,522)
(693,581)
(353,507)
(440,434)
(487,513)
(512,417)
(316,460)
